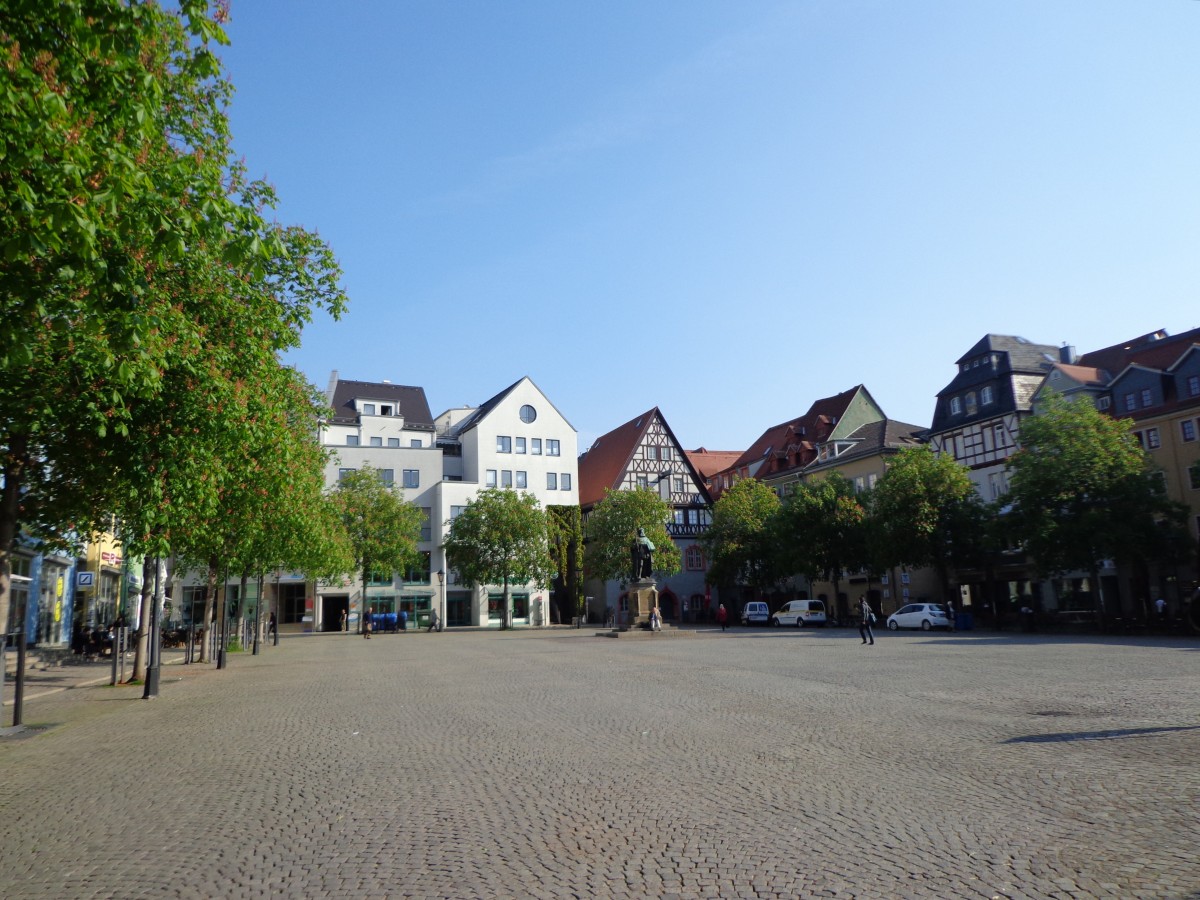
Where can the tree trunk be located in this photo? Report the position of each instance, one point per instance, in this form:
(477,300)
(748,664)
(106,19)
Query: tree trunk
(210,606)
(10,510)
(141,637)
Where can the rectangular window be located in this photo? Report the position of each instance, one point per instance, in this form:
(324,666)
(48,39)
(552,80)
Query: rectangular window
(552,448)
(1130,402)
(651,453)
(412,478)
(385,410)
(872,479)
(860,484)
(1187,429)
(955,406)
(368,409)
(1194,477)
(678,517)
(904,578)
(520,445)
(552,481)
(522,479)
(642,482)
(503,443)
(393,442)
(456,511)
(1152,441)
(1103,402)
(352,440)
(342,473)
(387,476)
(565,481)
(1193,384)
(987,396)
(490,478)
(506,478)
(426,528)
(1147,397)
(415,443)
(666,453)
(376,442)
(694,559)
(678,484)
(535,446)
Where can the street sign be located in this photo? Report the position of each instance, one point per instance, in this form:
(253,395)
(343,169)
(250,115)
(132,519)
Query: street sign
(85,579)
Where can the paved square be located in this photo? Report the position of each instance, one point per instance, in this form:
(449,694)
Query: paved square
(754,763)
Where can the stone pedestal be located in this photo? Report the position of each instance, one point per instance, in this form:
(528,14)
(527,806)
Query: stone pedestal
(643,597)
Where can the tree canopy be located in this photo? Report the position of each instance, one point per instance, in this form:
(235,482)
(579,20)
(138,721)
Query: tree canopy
(740,543)
(144,290)
(611,529)
(500,538)
(1083,490)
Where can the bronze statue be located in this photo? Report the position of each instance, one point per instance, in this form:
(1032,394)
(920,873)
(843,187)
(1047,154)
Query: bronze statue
(643,555)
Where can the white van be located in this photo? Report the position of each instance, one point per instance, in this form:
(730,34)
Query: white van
(756,612)
(800,613)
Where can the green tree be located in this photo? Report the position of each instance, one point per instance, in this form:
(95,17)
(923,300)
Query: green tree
(741,542)
(1083,490)
(611,529)
(500,538)
(382,528)
(136,269)
(822,531)
(565,529)
(925,512)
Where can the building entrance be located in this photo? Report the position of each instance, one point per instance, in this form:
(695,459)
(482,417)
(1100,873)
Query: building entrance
(332,609)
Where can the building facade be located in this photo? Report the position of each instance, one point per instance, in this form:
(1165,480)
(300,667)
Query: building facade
(643,454)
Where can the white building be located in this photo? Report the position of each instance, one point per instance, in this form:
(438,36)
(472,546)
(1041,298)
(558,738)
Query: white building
(517,439)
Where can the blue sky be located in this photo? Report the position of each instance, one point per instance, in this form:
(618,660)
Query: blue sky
(725,209)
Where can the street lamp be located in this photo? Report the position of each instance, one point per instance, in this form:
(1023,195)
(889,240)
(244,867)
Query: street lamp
(441,574)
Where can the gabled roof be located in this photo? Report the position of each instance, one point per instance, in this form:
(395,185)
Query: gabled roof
(603,465)
(708,462)
(481,413)
(797,437)
(874,439)
(1083,374)
(410,401)
(1156,350)
(1017,356)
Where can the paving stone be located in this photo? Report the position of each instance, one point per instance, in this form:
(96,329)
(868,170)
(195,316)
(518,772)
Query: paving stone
(545,763)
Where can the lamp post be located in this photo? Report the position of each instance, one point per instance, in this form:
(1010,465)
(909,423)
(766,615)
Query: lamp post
(441,574)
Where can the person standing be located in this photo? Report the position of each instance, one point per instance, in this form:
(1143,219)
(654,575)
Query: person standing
(655,620)
(950,615)
(345,621)
(868,617)
(722,616)
(272,627)
(367,625)
(1160,607)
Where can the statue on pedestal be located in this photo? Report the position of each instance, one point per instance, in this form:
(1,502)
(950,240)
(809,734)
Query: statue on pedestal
(643,556)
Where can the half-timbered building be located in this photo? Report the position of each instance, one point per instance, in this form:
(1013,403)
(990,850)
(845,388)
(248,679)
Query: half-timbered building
(643,454)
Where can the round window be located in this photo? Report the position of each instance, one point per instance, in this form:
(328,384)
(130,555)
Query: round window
(528,413)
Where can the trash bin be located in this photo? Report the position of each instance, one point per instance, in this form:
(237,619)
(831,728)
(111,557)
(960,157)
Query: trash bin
(964,621)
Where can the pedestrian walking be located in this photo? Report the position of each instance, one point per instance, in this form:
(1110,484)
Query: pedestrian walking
(950,615)
(433,621)
(655,620)
(868,619)
(404,620)
(367,625)
(722,616)
(272,626)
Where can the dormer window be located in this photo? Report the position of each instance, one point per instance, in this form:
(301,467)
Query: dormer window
(987,396)
(955,406)
(385,410)
(971,403)
(368,409)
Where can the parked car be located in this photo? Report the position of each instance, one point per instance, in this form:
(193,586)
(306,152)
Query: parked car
(756,612)
(919,615)
(800,613)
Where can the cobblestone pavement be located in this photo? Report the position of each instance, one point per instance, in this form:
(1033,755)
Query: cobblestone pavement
(754,763)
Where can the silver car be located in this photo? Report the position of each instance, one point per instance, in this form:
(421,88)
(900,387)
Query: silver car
(919,615)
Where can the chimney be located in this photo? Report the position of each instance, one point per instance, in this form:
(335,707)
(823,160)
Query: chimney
(1066,354)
